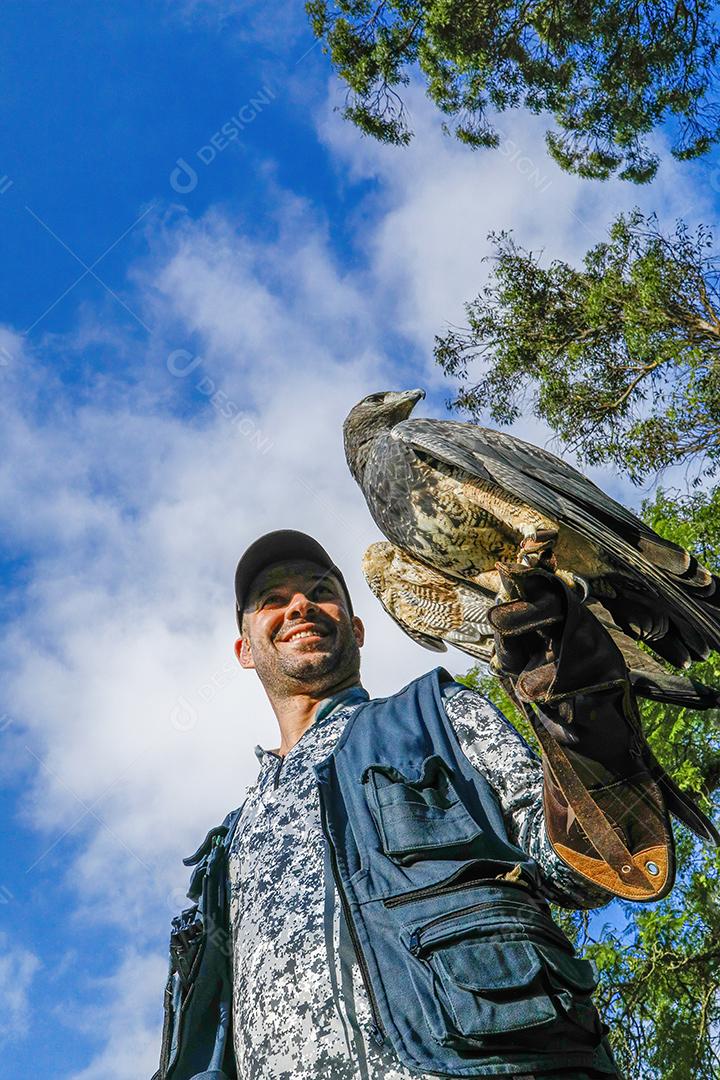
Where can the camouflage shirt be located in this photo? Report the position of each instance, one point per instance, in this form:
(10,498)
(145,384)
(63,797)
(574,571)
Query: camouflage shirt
(288,1022)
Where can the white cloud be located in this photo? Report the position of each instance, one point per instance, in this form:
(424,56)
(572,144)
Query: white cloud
(436,202)
(249,20)
(137,519)
(18,967)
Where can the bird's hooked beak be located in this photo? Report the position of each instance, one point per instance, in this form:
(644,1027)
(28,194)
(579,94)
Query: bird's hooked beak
(405,401)
(374,416)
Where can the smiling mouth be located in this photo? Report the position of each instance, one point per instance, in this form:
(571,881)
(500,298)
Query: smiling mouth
(305,635)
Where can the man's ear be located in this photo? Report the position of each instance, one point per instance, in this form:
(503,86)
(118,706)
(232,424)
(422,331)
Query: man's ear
(358,631)
(244,653)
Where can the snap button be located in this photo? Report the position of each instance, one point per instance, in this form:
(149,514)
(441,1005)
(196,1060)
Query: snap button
(652,868)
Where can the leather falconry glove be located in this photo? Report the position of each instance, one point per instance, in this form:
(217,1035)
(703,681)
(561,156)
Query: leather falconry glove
(605,813)
(560,658)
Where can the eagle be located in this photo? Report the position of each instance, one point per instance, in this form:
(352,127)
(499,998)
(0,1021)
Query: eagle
(461,498)
(454,499)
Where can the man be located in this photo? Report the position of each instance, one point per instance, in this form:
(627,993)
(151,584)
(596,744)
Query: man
(331,901)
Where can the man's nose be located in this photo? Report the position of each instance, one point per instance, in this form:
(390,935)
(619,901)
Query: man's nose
(300,604)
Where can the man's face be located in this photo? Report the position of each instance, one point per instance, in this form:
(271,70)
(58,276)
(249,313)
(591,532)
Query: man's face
(297,631)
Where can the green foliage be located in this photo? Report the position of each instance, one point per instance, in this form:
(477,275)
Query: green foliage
(620,358)
(609,72)
(659,964)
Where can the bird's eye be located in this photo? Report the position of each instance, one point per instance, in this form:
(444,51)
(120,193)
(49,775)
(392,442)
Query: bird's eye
(374,399)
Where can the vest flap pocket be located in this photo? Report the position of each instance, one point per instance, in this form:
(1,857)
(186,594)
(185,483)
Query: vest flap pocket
(494,987)
(419,818)
(491,966)
(499,971)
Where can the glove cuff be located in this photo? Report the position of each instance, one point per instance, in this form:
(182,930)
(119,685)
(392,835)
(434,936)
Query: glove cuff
(631,853)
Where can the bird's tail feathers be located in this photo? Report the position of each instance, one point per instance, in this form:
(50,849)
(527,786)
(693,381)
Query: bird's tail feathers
(680,804)
(675,690)
(667,629)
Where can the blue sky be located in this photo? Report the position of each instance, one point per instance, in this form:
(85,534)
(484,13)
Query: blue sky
(177,353)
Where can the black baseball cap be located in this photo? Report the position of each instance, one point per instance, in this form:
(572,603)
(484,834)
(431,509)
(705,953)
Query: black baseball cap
(279,546)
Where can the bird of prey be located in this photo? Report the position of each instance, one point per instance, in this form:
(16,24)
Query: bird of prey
(459,498)
(456,499)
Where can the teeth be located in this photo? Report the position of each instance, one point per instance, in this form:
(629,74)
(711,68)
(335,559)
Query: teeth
(303,633)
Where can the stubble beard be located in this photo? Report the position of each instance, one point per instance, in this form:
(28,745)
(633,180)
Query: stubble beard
(307,671)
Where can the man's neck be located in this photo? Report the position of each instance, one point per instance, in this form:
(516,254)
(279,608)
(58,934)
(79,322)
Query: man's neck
(296,712)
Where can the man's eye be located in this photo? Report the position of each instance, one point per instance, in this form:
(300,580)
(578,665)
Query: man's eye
(270,599)
(326,589)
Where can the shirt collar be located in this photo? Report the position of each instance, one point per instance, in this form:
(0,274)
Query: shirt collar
(353,695)
(350,696)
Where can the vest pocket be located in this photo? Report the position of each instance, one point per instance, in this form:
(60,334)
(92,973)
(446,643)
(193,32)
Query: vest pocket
(502,979)
(421,818)
(495,987)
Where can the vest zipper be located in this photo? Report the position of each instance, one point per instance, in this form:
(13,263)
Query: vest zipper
(446,887)
(415,944)
(378,1033)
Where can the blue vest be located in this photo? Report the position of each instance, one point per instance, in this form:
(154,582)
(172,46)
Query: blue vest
(466,972)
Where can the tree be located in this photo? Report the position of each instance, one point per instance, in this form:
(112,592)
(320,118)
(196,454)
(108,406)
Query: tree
(621,357)
(659,964)
(609,72)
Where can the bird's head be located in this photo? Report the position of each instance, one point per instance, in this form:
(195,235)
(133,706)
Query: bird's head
(373,416)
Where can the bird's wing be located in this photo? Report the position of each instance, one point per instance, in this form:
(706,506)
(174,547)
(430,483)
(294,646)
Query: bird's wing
(561,489)
(649,678)
(376,569)
(429,606)
(554,488)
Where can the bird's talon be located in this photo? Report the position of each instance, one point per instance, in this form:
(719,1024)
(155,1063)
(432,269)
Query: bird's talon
(576,583)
